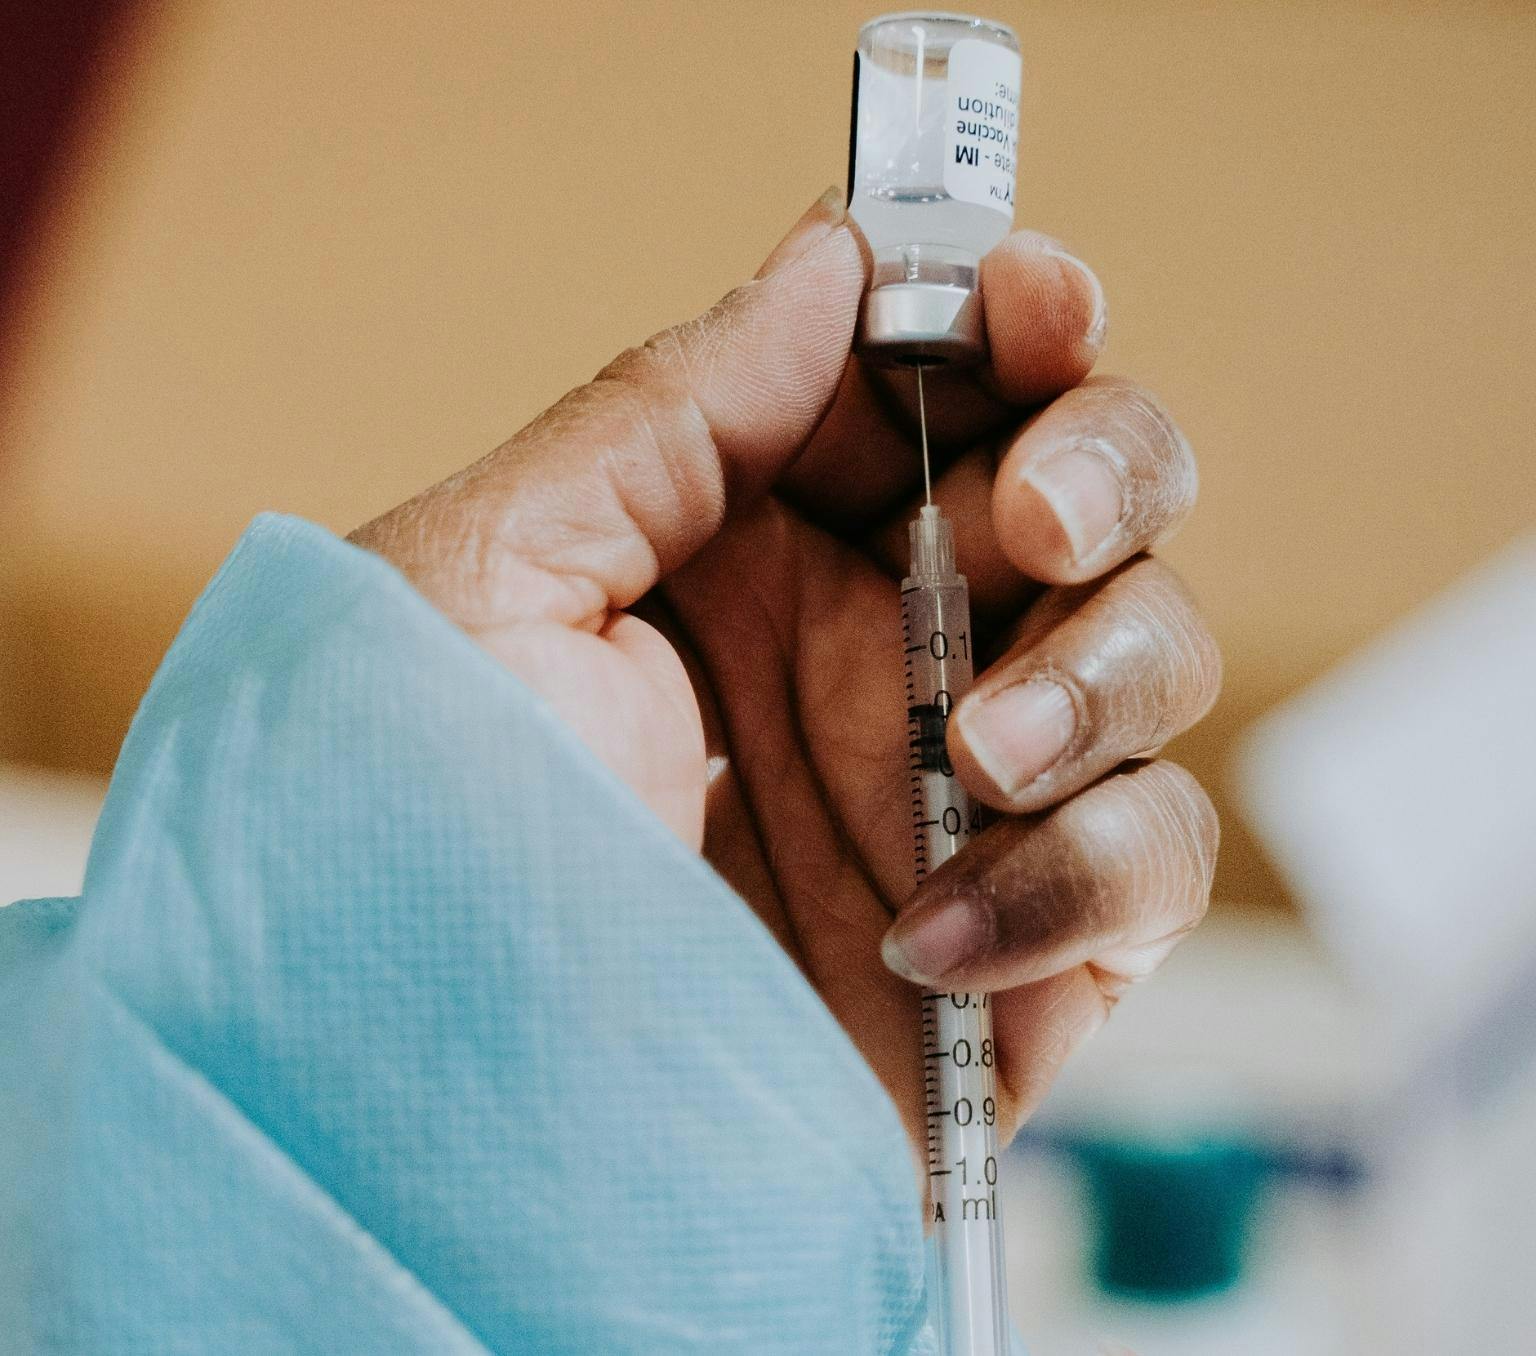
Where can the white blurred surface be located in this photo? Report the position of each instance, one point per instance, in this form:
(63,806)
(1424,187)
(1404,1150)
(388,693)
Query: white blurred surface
(1247,1029)
(1252,1028)
(1248,1021)
(46,822)
(1396,794)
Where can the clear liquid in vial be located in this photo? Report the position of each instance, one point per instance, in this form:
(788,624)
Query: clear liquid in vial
(898,191)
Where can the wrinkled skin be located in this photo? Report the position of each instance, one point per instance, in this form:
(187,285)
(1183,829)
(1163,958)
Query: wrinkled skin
(692,559)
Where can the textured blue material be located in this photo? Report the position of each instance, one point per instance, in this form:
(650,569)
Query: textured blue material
(390,1022)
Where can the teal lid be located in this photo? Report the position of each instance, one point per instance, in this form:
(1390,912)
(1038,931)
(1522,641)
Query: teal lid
(1171,1217)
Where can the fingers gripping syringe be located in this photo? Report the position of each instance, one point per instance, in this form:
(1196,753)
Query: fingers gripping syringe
(968,1296)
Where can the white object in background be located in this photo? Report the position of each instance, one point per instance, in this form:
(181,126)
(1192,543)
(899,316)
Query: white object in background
(1246,1024)
(46,822)
(1397,795)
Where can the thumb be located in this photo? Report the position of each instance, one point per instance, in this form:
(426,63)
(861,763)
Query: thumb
(626,477)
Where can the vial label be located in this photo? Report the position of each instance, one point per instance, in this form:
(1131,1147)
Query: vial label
(981,136)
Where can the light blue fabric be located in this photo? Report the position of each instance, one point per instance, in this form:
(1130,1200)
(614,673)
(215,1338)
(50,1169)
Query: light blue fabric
(391,1022)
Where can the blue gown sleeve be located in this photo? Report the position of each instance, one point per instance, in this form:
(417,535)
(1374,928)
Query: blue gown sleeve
(389,1021)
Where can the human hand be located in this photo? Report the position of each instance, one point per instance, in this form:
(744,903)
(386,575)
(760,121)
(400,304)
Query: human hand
(693,559)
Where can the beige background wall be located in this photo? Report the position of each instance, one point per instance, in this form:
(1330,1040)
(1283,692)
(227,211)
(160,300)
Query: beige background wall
(316,255)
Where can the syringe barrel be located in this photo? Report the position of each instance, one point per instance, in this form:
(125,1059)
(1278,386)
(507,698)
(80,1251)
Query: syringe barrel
(967,1289)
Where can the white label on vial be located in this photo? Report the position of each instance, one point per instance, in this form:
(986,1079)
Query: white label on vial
(981,136)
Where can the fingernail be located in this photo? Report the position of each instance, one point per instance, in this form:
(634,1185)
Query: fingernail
(1098,325)
(928,943)
(1082,486)
(820,219)
(1018,734)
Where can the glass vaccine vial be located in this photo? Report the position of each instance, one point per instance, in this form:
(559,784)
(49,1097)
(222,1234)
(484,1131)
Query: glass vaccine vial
(932,165)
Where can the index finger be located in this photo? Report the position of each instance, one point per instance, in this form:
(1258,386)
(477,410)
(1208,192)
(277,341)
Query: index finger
(1046,322)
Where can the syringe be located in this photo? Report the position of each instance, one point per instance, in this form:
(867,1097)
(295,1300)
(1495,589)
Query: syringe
(966,1279)
(932,159)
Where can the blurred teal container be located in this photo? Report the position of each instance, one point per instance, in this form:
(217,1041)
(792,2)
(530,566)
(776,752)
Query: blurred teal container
(1171,1218)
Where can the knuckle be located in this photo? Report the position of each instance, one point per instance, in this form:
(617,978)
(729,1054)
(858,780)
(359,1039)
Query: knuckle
(1178,648)
(1160,464)
(1189,829)
(1170,477)
(1137,656)
(644,366)
(652,407)
(1153,831)
(626,365)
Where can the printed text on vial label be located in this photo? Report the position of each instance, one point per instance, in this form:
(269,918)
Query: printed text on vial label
(981,136)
